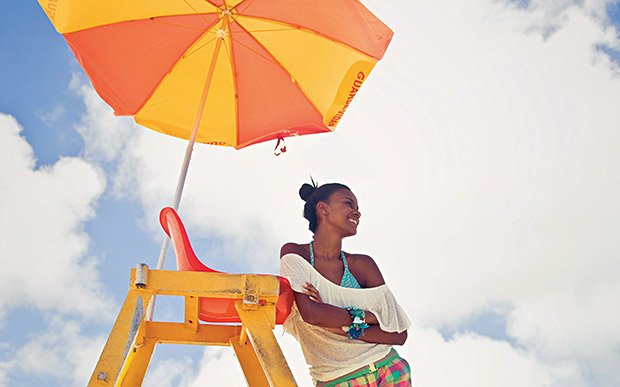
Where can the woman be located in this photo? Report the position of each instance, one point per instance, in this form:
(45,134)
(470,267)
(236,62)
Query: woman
(345,317)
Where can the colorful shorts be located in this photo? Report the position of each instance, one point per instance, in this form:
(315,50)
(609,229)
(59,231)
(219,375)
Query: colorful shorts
(395,373)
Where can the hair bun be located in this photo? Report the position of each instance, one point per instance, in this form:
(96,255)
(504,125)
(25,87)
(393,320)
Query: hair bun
(306,191)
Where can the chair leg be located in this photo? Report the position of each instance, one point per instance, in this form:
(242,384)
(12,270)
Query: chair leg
(122,335)
(266,348)
(252,369)
(137,363)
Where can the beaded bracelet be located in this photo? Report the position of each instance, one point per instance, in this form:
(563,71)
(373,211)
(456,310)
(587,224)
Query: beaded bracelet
(358,323)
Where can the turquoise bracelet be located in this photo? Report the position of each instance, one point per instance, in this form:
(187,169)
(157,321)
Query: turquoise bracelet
(358,323)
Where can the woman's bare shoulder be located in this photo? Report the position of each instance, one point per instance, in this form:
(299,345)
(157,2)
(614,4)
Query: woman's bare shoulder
(364,267)
(293,248)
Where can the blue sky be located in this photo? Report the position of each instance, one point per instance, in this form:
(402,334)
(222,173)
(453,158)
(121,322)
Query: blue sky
(482,149)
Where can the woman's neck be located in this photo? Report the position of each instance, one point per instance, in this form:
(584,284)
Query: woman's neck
(326,245)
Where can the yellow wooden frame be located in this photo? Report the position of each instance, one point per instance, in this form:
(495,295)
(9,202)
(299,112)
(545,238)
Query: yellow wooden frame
(128,351)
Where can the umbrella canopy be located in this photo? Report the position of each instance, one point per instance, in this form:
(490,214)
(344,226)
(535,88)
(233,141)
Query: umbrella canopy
(224,72)
(234,72)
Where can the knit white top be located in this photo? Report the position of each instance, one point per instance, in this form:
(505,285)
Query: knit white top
(330,355)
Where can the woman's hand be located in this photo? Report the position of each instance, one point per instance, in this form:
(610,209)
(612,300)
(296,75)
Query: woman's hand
(311,292)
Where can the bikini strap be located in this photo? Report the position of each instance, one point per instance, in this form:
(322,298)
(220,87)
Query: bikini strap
(344,261)
(348,279)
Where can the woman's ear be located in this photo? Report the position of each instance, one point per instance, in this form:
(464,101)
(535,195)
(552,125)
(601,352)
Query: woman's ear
(322,208)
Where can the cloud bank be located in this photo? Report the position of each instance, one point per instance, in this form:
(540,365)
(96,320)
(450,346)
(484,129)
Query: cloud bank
(483,153)
(482,150)
(44,246)
(46,269)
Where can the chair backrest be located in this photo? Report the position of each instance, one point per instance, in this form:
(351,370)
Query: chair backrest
(217,310)
(186,258)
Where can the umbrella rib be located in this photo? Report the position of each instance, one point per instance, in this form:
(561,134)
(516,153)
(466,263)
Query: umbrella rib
(172,67)
(271,30)
(195,10)
(275,61)
(227,53)
(158,20)
(195,50)
(268,58)
(306,29)
(231,55)
(244,2)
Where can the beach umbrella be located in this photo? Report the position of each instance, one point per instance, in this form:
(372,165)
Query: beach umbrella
(224,72)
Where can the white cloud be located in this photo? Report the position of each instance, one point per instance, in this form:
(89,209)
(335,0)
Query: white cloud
(483,151)
(220,365)
(472,360)
(45,262)
(62,353)
(170,372)
(45,265)
(105,136)
(43,243)
(52,116)
(4,379)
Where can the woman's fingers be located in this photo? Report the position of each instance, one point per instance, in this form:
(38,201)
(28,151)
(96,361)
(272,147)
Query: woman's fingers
(311,292)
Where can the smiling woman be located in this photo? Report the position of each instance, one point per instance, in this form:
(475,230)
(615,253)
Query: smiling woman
(345,317)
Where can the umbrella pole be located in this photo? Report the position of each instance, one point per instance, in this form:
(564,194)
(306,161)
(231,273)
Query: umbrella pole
(188,155)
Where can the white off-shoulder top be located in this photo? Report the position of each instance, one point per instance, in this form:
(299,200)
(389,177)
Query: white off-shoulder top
(330,355)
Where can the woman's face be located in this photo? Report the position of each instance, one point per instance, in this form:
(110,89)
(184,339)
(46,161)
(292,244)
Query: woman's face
(341,212)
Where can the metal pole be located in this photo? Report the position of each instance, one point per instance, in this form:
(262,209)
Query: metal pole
(188,153)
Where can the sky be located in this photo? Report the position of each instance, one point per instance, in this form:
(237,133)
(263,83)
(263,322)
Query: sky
(483,150)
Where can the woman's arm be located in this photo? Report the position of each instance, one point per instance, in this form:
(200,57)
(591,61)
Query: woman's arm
(321,314)
(326,315)
(314,296)
(374,334)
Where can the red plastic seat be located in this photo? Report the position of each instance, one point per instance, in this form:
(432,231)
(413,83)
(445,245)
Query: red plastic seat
(215,310)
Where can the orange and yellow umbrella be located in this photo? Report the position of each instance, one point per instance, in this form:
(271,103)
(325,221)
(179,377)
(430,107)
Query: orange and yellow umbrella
(232,72)
(224,72)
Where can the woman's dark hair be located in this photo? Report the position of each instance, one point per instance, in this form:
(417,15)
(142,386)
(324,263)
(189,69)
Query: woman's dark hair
(312,195)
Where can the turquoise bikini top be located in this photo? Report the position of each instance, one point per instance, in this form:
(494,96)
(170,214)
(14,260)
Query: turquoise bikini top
(348,280)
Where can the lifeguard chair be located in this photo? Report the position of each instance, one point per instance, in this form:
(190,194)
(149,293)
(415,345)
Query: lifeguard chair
(237,310)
